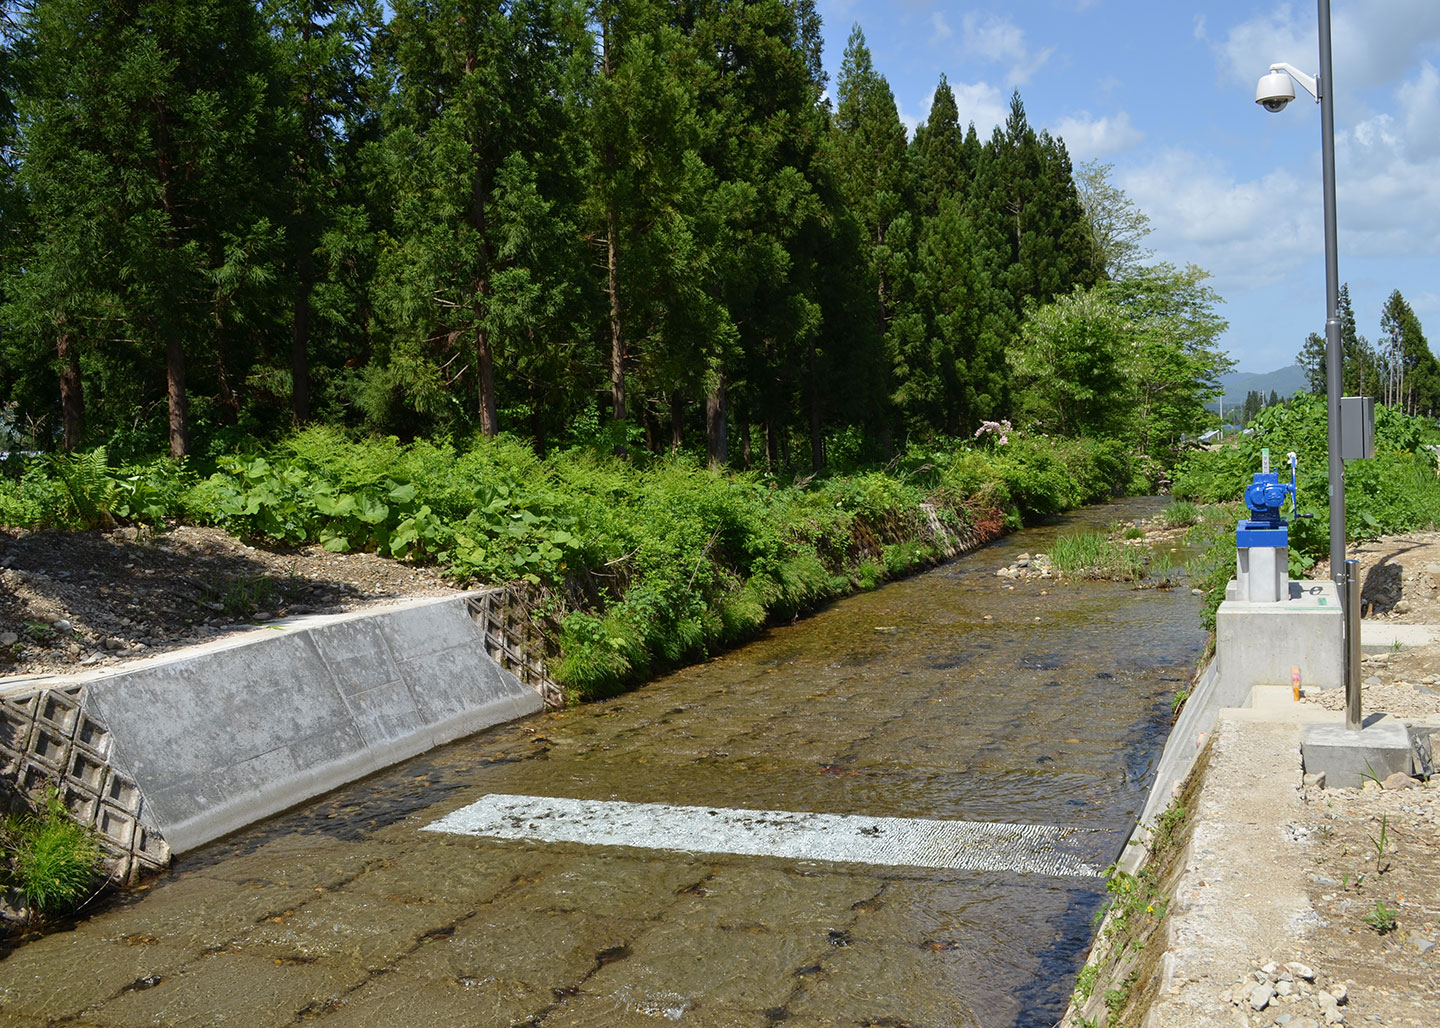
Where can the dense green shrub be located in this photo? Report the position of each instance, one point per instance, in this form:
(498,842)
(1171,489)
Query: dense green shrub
(644,562)
(1395,491)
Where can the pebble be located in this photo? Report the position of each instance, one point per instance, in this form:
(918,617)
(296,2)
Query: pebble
(1400,780)
(8,638)
(1289,986)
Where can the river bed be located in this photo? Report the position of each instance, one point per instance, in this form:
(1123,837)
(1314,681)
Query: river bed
(947,697)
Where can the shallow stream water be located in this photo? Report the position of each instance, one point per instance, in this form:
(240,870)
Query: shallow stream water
(943,697)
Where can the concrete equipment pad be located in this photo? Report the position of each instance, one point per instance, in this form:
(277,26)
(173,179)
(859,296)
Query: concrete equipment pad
(1258,643)
(1348,757)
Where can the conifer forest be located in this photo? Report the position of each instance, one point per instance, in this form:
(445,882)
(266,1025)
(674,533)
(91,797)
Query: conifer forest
(655,224)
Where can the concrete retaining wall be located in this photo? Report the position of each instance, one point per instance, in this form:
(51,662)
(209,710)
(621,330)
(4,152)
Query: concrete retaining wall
(169,754)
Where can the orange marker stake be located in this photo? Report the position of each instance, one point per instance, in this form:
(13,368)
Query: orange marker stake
(1295,681)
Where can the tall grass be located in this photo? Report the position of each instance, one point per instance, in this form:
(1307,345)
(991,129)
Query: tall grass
(1096,555)
(54,862)
(1180,514)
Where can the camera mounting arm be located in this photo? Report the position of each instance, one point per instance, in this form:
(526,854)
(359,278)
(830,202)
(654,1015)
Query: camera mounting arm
(1311,84)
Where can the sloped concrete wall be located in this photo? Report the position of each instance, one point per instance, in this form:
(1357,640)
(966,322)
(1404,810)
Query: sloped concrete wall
(214,738)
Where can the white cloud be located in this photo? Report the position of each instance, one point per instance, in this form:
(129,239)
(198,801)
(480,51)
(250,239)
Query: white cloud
(981,103)
(1388,175)
(1374,41)
(942,28)
(1244,232)
(1087,137)
(1002,41)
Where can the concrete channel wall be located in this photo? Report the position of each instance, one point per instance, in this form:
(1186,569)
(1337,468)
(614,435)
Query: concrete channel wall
(166,755)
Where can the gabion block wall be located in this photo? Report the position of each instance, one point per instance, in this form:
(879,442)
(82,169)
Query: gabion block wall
(48,739)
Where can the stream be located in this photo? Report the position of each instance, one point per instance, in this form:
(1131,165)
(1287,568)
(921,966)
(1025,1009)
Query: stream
(703,887)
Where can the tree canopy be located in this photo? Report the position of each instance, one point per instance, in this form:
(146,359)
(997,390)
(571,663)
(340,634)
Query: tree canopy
(628,221)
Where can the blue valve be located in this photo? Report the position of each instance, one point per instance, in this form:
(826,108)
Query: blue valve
(1265,497)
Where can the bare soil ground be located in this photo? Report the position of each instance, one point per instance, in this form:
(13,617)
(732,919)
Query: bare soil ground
(1343,882)
(73,600)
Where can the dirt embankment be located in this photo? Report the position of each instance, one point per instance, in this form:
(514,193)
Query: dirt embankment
(73,600)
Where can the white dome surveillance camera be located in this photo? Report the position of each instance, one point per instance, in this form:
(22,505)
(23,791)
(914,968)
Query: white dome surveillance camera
(1274,91)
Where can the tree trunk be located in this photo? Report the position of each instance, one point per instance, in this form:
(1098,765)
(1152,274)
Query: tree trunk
(72,391)
(742,426)
(677,421)
(175,394)
(817,441)
(612,252)
(617,334)
(537,429)
(716,446)
(300,344)
(485,367)
(772,447)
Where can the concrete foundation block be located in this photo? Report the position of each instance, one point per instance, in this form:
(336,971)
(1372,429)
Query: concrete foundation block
(1256,643)
(1348,757)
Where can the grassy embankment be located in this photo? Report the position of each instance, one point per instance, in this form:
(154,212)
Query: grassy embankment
(635,565)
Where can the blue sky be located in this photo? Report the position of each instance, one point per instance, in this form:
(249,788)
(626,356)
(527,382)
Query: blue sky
(1165,91)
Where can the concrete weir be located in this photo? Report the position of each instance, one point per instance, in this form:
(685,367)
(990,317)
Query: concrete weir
(168,754)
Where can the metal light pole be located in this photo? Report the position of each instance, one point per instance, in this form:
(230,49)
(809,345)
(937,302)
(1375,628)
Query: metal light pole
(1333,352)
(1274,92)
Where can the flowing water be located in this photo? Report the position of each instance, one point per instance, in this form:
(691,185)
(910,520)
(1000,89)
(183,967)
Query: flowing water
(946,697)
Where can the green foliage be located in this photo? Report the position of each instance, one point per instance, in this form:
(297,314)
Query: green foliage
(660,561)
(1396,491)
(1381,918)
(1180,514)
(1096,555)
(80,491)
(85,477)
(53,861)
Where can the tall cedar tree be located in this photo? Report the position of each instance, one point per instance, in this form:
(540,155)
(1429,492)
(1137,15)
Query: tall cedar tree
(762,131)
(952,375)
(652,229)
(1313,359)
(481,159)
(1027,199)
(12,209)
(322,54)
(1359,370)
(1411,373)
(146,139)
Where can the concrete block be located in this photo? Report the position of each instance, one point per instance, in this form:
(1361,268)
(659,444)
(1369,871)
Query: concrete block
(1347,758)
(219,738)
(1256,644)
(1383,636)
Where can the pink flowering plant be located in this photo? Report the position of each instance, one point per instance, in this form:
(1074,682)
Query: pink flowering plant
(998,431)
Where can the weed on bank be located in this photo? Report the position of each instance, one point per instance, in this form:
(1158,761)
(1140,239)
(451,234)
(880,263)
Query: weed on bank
(637,563)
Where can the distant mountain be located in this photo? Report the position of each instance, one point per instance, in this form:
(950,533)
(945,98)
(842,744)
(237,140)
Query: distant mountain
(1285,381)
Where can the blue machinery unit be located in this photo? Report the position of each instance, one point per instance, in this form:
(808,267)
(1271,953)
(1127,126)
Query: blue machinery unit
(1262,541)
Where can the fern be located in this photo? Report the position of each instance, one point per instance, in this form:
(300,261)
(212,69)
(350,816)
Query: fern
(87,481)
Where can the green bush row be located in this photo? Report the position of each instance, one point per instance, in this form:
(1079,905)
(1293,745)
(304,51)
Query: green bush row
(643,563)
